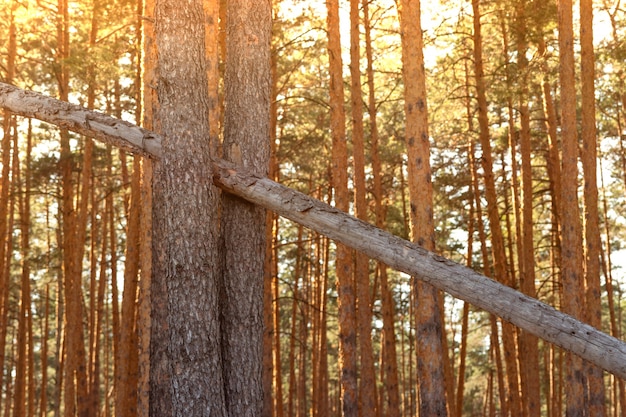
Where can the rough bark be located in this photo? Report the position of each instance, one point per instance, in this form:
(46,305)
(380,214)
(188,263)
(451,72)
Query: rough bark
(186,360)
(246,143)
(525,312)
(571,228)
(211,42)
(430,353)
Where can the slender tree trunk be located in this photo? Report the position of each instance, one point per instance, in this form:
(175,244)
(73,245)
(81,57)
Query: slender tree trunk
(149,109)
(572,257)
(43,386)
(20,398)
(76,396)
(430,359)
(390,369)
(529,344)
(4,194)
(323,386)
(482,236)
(186,358)
(127,374)
(465,315)
(345,280)
(497,239)
(592,243)
(367,383)
(278,375)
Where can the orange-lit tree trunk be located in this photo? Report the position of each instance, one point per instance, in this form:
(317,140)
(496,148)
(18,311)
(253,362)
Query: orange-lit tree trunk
(43,386)
(76,398)
(390,369)
(528,343)
(23,351)
(149,108)
(571,230)
(497,239)
(429,327)
(367,382)
(127,370)
(343,261)
(292,400)
(4,196)
(269,270)
(592,243)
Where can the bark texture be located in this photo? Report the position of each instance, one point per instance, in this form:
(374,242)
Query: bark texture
(186,362)
(430,353)
(246,143)
(571,228)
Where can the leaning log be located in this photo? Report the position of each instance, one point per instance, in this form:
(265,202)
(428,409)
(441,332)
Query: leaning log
(525,312)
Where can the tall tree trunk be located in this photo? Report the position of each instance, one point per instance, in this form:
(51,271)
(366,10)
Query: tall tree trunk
(429,323)
(149,110)
(529,344)
(268,266)
(390,371)
(367,382)
(20,398)
(592,243)
(571,231)
(292,400)
(345,280)
(43,386)
(322,408)
(4,194)
(76,396)
(278,375)
(186,358)
(497,239)
(246,133)
(127,373)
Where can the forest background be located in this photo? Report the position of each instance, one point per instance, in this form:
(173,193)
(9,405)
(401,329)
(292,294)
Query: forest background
(100,62)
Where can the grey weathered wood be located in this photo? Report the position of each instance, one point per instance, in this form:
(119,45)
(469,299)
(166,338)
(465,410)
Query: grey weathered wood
(525,312)
(78,119)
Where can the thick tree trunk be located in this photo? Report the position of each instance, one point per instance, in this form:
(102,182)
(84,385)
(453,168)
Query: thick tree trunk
(186,358)
(246,143)
(525,312)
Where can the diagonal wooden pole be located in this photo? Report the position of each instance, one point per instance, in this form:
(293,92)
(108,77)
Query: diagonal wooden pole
(525,312)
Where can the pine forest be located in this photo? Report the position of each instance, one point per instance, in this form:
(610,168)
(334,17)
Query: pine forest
(488,136)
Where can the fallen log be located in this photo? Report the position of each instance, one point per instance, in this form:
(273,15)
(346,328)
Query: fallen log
(525,312)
